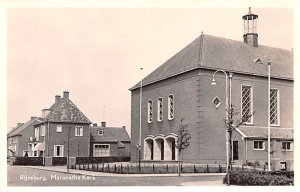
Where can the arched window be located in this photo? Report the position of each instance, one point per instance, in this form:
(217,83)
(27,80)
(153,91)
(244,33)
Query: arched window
(160,109)
(150,111)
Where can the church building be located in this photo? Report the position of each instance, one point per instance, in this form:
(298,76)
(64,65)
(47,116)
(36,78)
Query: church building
(181,89)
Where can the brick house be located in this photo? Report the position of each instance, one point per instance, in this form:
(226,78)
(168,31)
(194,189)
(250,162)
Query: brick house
(181,88)
(109,141)
(64,130)
(20,141)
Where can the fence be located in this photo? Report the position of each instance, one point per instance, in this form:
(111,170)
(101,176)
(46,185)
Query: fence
(91,160)
(149,169)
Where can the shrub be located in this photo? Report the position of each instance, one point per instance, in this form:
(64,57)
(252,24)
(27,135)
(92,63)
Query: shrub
(59,160)
(35,161)
(261,178)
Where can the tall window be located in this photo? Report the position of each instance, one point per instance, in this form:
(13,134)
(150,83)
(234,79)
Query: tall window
(78,131)
(150,111)
(43,130)
(171,107)
(160,109)
(37,133)
(258,145)
(101,150)
(274,107)
(58,128)
(58,150)
(247,103)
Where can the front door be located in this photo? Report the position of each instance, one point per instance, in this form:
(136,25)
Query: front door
(235,150)
(162,150)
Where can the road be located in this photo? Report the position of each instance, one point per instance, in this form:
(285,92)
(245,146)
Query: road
(23,176)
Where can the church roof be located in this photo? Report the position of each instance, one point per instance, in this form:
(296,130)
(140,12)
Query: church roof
(262,132)
(210,52)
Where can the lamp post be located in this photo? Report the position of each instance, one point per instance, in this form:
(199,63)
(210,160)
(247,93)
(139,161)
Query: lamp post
(269,105)
(140,134)
(229,130)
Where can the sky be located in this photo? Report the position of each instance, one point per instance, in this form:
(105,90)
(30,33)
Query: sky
(96,53)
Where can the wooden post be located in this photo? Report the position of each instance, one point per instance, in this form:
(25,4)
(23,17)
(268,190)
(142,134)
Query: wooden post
(194,168)
(115,168)
(108,168)
(207,169)
(121,168)
(102,167)
(127,168)
(181,168)
(153,169)
(167,168)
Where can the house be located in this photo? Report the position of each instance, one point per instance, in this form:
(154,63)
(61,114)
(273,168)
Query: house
(20,141)
(181,89)
(64,130)
(109,141)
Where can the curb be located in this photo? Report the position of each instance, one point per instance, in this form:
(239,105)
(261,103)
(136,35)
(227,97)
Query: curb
(90,173)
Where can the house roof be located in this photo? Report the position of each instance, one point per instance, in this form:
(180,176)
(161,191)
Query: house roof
(110,134)
(65,111)
(214,53)
(16,131)
(262,132)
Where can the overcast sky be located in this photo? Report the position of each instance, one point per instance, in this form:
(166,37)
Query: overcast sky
(96,53)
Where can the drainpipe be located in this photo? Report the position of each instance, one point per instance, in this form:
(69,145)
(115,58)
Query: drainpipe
(48,136)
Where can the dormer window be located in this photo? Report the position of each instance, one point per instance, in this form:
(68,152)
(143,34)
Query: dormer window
(100,132)
(257,60)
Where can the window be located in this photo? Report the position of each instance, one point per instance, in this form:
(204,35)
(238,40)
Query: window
(171,107)
(43,130)
(78,131)
(58,150)
(36,133)
(216,102)
(100,132)
(247,103)
(259,145)
(101,150)
(150,111)
(274,107)
(58,128)
(160,109)
(287,145)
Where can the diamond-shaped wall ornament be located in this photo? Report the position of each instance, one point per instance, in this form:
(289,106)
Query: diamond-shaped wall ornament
(216,102)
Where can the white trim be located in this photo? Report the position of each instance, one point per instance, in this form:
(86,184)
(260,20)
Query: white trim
(148,111)
(264,145)
(251,104)
(240,132)
(62,150)
(170,107)
(57,131)
(100,144)
(158,109)
(80,131)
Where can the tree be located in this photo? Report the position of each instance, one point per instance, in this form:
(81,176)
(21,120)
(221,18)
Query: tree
(183,141)
(231,124)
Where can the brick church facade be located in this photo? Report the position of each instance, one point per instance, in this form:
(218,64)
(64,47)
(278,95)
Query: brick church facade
(181,89)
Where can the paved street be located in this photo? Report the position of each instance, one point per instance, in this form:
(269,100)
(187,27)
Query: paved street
(28,176)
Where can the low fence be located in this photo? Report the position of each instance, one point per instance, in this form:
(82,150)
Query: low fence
(91,160)
(37,161)
(150,169)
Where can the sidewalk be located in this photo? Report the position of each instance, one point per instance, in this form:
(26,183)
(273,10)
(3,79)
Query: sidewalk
(63,169)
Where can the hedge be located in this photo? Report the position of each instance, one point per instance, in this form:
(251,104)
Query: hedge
(59,160)
(38,161)
(260,178)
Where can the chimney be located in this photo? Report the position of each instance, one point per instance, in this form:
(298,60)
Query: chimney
(45,112)
(124,127)
(66,95)
(250,29)
(94,124)
(103,124)
(57,98)
(32,118)
(19,124)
